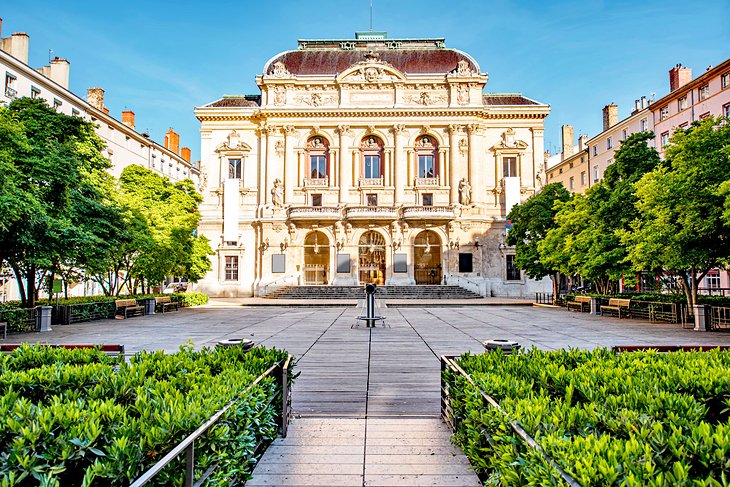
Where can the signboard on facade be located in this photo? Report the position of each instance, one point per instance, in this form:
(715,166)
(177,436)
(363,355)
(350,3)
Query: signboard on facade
(278,263)
(343,263)
(400,263)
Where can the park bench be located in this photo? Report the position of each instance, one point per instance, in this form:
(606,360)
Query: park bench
(113,350)
(580,303)
(164,303)
(617,305)
(128,307)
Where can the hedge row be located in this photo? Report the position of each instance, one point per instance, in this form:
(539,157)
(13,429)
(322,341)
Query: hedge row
(722,301)
(630,419)
(78,417)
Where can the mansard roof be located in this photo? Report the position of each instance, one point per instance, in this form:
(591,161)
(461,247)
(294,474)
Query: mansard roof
(230,101)
(331,57)
(507,99)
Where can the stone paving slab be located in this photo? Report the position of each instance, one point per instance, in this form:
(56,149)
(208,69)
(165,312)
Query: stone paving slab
(359,385)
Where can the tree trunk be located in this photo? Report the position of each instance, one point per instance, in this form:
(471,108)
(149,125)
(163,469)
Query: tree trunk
(21,286)
(555,277)
(31,286)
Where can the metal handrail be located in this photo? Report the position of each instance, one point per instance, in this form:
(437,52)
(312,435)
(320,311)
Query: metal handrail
(188,444)
(266,286)
(449,363)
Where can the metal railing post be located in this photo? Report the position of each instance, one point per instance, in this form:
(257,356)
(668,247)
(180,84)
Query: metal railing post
(189,464)
(284,398)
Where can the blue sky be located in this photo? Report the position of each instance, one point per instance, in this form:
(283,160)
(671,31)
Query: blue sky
(162,58)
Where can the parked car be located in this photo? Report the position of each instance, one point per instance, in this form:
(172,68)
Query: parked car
(175,287)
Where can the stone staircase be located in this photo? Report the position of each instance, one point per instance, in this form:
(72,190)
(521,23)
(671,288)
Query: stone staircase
(382,292)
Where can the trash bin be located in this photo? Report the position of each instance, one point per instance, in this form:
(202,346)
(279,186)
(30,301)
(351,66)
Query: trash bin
(507,346)
(236,342)
(149,306)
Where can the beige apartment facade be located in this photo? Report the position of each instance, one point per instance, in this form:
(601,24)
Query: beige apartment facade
(367,160)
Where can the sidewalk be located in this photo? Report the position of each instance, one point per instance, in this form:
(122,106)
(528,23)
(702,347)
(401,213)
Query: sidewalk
(388,303)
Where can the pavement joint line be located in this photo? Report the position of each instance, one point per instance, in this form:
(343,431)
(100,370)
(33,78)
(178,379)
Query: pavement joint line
(419,335)
(367,401)
(319,337)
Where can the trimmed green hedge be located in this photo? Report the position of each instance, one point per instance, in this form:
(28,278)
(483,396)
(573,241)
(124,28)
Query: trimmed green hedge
(78,417)
(631,419)
(722,301)
(190,299)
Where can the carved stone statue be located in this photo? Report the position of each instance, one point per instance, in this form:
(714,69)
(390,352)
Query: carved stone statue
(464,192)
(277,193)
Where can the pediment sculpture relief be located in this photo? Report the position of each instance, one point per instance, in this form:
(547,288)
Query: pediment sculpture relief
(510,142)
(371,70)
(462,70)
(426,98)
(233,143)
(280,71)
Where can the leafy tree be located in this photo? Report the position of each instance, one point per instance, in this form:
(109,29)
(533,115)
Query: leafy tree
(530,224)
(680,226)
(54,167)
(159,238)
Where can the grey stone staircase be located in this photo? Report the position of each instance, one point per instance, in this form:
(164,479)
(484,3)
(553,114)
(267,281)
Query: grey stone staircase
(382,292)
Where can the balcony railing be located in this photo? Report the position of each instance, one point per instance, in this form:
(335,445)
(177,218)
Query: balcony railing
(367,182)
(427,181)
(316,182)
(436,212)
(372,212)
(10,92)
(314,212)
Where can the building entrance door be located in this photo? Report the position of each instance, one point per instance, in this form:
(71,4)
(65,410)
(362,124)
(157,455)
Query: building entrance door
(316,259)
(427,258)
(371,261)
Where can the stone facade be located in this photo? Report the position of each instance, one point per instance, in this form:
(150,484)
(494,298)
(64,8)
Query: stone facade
(377,160)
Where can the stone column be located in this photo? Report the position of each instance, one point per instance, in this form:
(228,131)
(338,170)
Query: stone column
(538,155)
(263,146)
(272,166)
(345,162)
(401,171)
(454,175)
(475,180)
(333,170)
(387,167)
(442,167)
(290,164)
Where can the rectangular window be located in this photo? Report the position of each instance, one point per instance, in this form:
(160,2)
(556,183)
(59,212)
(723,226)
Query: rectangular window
(10,85)
(234,168)
(35,92)
(466,263)
(664,113)
(682,103)
(644,125)
(372,199)
(596,174)
(624,134)
(513,273)
(57,103)
(665,139)
(231,268)
(725,81)
(571,184)
(509,167)
(583,178)
(316,200)
(726,110)
(372,167)
(609,143)
(704,115)
(713,280)
(317,167)
(703,92)
(75,112)
(595,150)
(426,167)
(427,199)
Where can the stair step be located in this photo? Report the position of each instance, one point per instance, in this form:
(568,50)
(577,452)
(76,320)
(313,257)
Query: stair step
(387,292)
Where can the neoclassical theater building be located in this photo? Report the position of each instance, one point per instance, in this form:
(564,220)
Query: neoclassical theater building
(367,160)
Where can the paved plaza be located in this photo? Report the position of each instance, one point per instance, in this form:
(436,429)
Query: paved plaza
(366,404)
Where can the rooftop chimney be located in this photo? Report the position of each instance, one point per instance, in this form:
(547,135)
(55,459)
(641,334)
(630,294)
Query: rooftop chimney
(582,142)
(185,153)
(128,118)
(643,102)
(679,76)
(17,46)
(60,71)
(172,141)
(567,141)
(95,97)
(610,116)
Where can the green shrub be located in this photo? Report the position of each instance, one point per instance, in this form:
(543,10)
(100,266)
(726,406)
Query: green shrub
(190,298)
(77,417)
(634,419)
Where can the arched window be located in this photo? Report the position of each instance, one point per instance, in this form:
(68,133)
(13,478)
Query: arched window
(426,151)
(319,157)
(371,148)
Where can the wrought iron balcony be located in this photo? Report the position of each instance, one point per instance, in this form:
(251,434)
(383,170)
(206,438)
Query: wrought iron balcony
(314,213)
(428,212)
